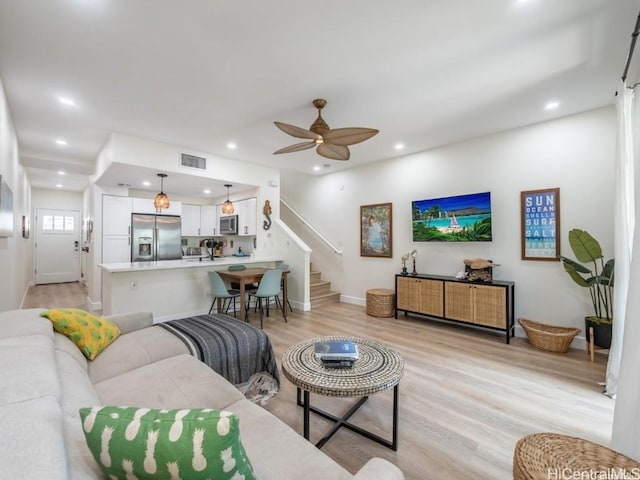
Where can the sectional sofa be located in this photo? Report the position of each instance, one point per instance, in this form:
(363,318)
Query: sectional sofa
(45,380)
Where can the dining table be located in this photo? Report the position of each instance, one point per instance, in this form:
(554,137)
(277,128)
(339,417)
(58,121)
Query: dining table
(247,277)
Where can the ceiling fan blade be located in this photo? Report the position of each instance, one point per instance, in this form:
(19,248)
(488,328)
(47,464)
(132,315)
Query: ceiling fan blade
(297,131)
(296,148)
(334,152)
(349,136)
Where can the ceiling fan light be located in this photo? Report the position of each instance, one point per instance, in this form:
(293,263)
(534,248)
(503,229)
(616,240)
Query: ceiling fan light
(319,141)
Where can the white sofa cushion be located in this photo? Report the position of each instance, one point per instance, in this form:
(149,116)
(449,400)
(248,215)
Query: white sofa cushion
(31,444)
(82,465)
(16,323)
(28,369)
(77,390)
(177,382)
(263,434)
(134,350)
(62,343)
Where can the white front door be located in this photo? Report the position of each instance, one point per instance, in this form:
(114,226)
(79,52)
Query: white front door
(57,246)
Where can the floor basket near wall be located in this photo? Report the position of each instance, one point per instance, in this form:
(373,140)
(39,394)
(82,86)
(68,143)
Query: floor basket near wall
(548,337)
(381,302)
(541,456)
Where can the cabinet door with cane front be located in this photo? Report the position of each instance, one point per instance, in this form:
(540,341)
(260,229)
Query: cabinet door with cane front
(420,295)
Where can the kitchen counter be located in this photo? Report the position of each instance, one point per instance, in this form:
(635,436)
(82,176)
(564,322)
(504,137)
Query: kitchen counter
(169,289)
(186,262)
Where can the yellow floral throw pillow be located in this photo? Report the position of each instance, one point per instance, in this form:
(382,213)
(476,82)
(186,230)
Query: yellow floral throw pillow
(90,333)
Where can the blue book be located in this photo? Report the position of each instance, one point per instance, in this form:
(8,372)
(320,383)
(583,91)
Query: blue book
(336,349)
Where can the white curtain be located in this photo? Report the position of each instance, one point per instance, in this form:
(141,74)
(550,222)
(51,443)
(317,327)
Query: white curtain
(624,360)
(624,225)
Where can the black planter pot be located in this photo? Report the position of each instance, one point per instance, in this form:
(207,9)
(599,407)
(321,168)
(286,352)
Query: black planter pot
(601,333)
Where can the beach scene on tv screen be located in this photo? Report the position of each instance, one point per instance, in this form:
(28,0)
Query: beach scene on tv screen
(461,218)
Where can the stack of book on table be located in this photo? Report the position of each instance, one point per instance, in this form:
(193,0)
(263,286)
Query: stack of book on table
(336,353)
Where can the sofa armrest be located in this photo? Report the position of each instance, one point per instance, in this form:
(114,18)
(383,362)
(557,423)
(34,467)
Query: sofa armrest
(379,469)
(129,322)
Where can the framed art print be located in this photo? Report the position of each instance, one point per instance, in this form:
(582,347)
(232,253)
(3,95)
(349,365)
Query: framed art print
(376,239)
(540,224)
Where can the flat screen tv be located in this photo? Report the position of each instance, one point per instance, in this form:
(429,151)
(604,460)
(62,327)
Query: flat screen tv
(463,218)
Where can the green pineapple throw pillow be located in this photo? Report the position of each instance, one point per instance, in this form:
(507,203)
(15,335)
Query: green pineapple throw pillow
(131,442)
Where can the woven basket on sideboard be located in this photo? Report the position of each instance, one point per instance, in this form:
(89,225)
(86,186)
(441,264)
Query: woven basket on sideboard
(548,337)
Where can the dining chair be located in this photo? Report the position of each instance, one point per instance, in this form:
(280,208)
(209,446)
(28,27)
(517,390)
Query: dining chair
(220,291)
(283,267)
(269,286)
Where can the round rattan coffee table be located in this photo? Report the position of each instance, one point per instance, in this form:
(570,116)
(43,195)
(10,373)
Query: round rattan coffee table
(378,368)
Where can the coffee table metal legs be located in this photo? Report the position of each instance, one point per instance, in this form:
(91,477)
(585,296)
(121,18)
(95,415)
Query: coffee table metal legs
(303,401)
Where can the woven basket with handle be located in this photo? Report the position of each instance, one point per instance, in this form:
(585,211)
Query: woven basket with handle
(541,456)
(548,337)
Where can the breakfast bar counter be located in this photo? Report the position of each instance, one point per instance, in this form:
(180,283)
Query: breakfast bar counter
(170,289)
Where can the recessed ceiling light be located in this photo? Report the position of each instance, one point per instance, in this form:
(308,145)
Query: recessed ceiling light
(231,146)
(67,101)
(146,183)
(551,105)
(61,172)
(59,185)
(61,142)
(206,191)
(316,168)
(399,146)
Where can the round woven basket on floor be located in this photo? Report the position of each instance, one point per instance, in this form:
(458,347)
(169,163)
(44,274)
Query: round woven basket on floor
(381,302)
(542,456)
(548,337)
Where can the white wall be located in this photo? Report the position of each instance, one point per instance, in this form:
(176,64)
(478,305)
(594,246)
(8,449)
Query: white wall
(574,153)
(55,199)
(16,261)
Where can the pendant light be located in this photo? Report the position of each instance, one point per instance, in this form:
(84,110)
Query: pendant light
(227,207)
(161,201)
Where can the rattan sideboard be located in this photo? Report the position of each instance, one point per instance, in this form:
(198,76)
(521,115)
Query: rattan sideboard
(479,304)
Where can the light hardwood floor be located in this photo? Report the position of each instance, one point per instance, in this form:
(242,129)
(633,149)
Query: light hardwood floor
(465,398)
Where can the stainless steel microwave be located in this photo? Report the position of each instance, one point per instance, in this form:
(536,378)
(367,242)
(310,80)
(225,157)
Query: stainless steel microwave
(229,225)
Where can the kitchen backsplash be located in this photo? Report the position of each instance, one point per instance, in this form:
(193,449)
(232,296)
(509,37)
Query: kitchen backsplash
(231,244)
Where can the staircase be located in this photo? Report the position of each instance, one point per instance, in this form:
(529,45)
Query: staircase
(320,291)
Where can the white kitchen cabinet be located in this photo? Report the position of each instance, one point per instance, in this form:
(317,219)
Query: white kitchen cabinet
(208,220)
(116,249)
(116,215)
(190,220)
(145,205)
(247,216)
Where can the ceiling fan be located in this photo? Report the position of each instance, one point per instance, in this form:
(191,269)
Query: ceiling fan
(331,143)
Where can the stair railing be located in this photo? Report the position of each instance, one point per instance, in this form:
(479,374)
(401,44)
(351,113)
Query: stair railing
(312,228)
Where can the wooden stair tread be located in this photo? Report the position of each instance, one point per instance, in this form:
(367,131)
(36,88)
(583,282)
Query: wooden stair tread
(321,292)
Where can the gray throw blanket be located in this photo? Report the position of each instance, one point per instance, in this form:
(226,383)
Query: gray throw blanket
(236,350)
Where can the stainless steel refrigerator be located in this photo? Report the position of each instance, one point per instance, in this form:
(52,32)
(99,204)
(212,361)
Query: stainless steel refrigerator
(155,237)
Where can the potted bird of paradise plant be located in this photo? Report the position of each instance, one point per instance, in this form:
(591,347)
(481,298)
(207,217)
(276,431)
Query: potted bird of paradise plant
(591,271)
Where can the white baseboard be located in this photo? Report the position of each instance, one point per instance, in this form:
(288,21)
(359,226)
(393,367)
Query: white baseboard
(92,306)
(353,300)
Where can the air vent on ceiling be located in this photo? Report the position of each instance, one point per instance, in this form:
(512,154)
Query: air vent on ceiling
(192,161)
